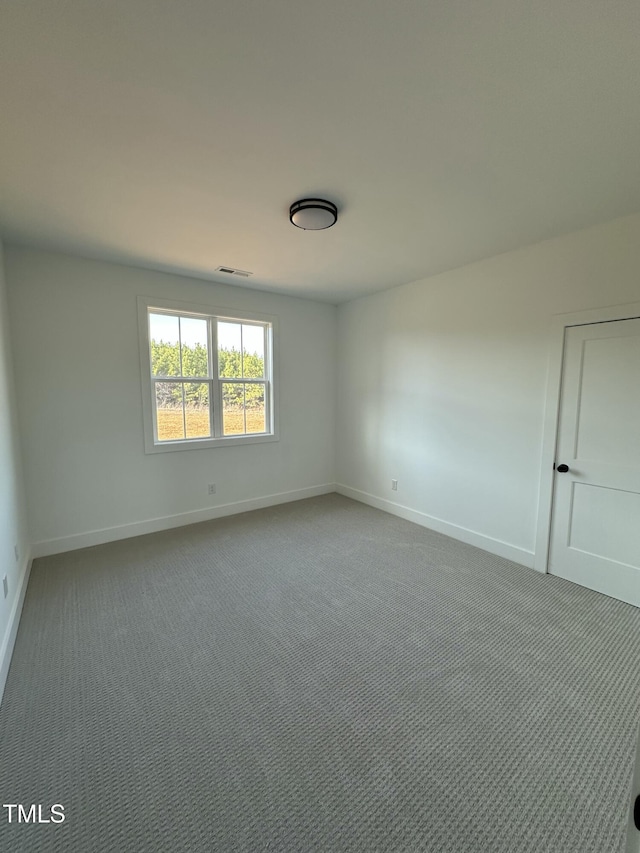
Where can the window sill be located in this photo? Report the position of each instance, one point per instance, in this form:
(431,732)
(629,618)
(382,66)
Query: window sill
(208,443)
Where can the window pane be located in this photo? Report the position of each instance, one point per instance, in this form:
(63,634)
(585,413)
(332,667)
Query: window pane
(195,350)
(196,409)
(255,409)
(253,351)
(243,408)
(169,411)
(230,350)
(233,408)
(165,345)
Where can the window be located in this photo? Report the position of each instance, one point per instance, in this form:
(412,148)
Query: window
(207,378)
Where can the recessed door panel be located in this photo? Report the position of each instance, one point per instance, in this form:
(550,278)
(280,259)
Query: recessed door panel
(604,523)
(609,402)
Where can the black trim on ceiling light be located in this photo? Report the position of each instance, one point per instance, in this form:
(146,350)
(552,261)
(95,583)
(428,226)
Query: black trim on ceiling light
(298,209)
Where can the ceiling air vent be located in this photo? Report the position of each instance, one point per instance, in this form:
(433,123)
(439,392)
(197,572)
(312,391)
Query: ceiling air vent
(232,271)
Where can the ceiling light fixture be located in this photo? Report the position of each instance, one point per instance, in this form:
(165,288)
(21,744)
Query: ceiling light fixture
(313,214)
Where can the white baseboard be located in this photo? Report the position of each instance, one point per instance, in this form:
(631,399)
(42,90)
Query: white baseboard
(152,525)
(9,639)
(470,537)
(139,528)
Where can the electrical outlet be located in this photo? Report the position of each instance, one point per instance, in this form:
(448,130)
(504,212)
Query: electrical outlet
(394,485)
(212,488)
(5,586)
(16,552)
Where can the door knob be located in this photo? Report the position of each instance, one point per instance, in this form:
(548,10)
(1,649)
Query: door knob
(562,469)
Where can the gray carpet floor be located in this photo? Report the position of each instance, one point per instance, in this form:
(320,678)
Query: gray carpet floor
(318,676)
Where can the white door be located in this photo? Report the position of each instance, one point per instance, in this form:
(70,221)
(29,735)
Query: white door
(633,824)
(595,534)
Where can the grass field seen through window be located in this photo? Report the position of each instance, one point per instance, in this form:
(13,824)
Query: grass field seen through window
(171,424)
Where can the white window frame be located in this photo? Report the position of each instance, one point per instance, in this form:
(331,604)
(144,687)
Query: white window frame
(147,305)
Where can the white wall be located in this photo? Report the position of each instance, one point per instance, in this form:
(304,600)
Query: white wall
(442,383)
(13,526)
(77,361)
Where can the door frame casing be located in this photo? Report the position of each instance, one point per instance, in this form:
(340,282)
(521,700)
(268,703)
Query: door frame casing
(559,323)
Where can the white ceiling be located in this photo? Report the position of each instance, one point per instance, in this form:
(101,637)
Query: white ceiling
(175,134)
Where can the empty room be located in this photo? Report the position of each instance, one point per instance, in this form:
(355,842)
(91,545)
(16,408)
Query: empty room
(319,426)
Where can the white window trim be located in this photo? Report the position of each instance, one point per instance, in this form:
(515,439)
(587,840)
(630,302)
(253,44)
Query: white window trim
(147,303)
